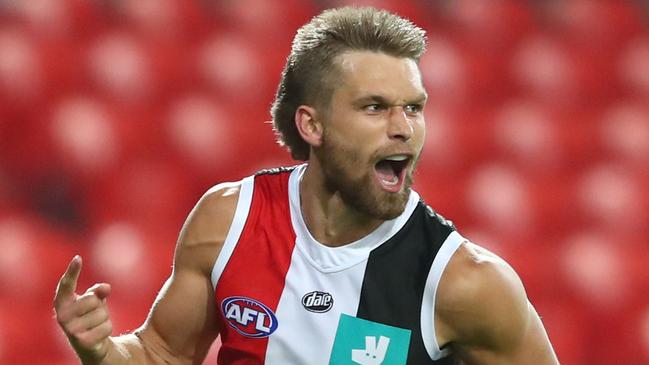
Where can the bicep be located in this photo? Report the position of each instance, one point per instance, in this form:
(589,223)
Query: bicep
(182,323)
(523,343)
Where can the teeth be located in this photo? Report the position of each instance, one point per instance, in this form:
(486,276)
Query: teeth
(392,182)
(397,158)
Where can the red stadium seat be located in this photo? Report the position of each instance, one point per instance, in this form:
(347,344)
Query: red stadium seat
(569,328)
(17,336)
(231,66)
(595,267)
(268,21)
(195,127)
(47,17)
(643,334)
(633,67)
(20,242)
(525,135)
(28,239)
(7,200)
(120,67)
(21,77)
(147,193)
(410,9)
(133,271)
(543,69)
(443,145)
(157,17)
(594,23)
(83,131)
(624,133)
(145,262)
(444,71)
(497,196)
(497,24)
(610,197)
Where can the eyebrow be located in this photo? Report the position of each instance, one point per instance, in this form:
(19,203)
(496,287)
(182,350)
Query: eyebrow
(379,99)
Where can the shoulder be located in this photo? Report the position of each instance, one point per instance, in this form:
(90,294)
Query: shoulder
(207,226)
(481,300)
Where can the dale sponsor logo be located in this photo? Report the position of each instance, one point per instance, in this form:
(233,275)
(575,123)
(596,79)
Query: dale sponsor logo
(317,301)
(249,317)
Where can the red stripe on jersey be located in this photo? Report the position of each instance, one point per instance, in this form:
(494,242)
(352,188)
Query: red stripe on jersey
(256,270)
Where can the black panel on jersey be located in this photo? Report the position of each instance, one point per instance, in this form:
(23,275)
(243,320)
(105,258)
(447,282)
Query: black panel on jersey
(396,274)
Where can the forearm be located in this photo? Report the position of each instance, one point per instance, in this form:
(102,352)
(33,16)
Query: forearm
(129,349)
(122,350)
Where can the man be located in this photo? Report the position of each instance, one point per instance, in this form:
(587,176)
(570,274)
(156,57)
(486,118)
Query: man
(336,261)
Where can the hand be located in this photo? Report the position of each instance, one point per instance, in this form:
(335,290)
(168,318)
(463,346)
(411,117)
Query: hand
(84,318)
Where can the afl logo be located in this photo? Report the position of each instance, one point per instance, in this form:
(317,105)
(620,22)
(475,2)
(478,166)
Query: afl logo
(317,301)
(249,317)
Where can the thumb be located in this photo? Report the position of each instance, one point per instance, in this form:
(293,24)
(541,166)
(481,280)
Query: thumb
(101,290)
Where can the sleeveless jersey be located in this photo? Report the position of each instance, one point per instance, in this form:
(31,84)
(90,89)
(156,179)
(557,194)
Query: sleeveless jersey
(284,298)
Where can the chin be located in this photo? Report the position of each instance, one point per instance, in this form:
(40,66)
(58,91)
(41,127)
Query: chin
(393,206)
(379,204)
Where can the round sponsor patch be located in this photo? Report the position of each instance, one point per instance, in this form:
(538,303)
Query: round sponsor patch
(317,301)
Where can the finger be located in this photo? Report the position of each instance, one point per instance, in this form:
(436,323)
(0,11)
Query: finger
(77,308)
(92,299)
(87,322)
(86,303)
(101,290)
(94,337)
(68,283)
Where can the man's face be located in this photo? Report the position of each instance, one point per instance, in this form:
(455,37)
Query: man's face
(373,132)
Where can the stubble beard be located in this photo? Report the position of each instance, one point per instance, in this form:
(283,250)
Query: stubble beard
(361,193)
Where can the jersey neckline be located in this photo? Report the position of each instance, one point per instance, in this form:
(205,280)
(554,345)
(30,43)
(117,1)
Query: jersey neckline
(332,259)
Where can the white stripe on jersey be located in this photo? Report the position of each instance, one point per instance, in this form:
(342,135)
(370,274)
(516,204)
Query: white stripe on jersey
(450,245)
(238,222)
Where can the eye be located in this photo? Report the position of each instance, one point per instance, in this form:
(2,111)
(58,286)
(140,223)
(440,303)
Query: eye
(412,108)
(374,108)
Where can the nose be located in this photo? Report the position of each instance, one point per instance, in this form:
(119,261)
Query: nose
(400,126)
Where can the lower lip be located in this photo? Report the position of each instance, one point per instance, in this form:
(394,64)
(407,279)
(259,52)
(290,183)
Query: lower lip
(392,188)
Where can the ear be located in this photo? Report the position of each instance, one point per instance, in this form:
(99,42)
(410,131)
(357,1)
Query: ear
(308,125)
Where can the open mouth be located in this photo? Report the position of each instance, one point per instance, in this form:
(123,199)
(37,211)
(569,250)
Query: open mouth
(391,172)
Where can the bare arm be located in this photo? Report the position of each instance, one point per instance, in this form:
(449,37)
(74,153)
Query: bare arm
(181,325)
(484,314)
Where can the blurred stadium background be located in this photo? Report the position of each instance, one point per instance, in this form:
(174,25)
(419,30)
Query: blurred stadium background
(115,116)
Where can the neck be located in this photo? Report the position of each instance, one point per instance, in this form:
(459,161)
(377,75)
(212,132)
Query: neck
(328,217)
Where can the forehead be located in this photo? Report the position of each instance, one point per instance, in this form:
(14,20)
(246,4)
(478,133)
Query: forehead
(373,73)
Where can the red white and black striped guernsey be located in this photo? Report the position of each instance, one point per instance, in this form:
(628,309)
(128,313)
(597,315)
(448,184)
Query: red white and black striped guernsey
(284,298)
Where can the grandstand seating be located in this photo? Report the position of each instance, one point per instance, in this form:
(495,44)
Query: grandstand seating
(115,117)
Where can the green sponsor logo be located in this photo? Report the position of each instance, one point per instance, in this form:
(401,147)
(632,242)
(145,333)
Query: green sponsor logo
(359,341)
